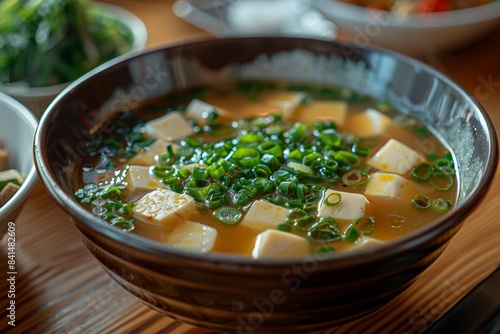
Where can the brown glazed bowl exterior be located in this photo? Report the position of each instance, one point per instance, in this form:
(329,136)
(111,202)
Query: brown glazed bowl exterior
(233,294)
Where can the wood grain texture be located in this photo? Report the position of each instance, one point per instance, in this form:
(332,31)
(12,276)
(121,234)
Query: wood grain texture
(60,288)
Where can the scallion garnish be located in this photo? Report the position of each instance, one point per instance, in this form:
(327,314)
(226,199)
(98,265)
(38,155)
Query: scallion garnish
(421,202)
(444,165)
(356,178)
(441,205)
(228,215)
(333,199)
(423,172)
(323,250)
(442,181)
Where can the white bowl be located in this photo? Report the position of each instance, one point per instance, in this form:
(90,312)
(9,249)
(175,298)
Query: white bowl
(17,130)
(38,98)
(413,34)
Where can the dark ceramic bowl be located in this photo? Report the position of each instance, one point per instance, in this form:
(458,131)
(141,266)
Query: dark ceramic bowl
(233,294)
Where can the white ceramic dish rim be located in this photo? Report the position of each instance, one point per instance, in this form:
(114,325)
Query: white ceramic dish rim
(425,21)
(31,176)
(137,27)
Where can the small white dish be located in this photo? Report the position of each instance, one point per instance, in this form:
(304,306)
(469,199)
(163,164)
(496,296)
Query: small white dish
(412,34)
(17,130)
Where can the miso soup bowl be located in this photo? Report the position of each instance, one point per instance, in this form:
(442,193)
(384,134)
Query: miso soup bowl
(234,294)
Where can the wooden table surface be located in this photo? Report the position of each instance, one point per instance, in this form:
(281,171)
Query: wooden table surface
(61,288)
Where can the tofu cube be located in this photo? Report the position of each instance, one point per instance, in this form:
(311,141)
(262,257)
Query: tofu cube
(351,206)
(334,111)
(278,244)
(264,215)
(240,106)
(164,207)
(387,185)
(395,157)
(192,236)
(147,157)
(286,102)
(170,127)
(369,123)
(139,179)
(199,110)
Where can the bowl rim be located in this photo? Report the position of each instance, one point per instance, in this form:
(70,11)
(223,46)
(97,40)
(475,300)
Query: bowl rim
(31,177)
(424,21)
(140,40)
(222,261)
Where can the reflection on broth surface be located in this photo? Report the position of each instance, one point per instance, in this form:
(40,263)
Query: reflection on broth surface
(268,170)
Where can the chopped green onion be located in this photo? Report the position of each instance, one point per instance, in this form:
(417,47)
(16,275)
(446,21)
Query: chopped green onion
(284,228)
(199,173)
(295,155)
(333,199)
(178,188)
(313,160)
(183,172)
(126,208)
(287,188)
(271,148)
(298,133)
(356,178)
(352,233)
(216,171)
(330,137)
(271,161)
(228,215)
(445,166)
(114,192)
(442,181)
(422,131)
(300,167)
(301,191)
(362,151)
(367,224)
(198,189)
(242,197)
(262,170)
(441,205)
(295,203)
(423,172)
(125,224)
(302,224)
(323,250)
(351,157)
(326,230)
(332,165)
(431,156)
(246,157)
(162,171)
(421,202)
(212,116)
(250,140)
(184,151)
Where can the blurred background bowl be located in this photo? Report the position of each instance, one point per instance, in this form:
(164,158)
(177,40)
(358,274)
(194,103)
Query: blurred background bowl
(417,35)
(17,129)
(38,98)
(229,293)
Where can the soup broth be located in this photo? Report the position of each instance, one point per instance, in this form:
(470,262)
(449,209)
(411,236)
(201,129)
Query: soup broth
(267,170)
